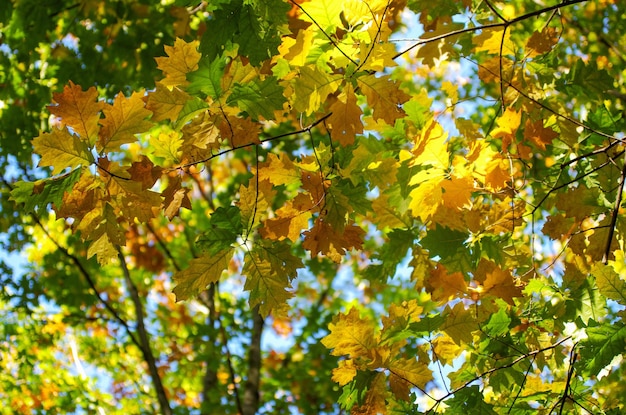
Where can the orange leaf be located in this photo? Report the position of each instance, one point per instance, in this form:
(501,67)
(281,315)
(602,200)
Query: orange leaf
(500,283)
(182,58)
(125,118)
(323,238)
(384,96)
(288,223)
(443,286)
(79,110)
(542,42)
(536,133)
(345,122)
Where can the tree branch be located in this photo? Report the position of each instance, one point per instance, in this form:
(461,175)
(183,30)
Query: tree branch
(251,394)
(145,340)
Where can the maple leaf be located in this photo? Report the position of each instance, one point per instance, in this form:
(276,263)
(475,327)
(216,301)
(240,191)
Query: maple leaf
(542,41)
(501,284)
(145,172)
(269,270)
(406,374)
(166,104)
(508,123)
(182,58)
(350,335)
(457,192)
(201,272)
(106,237)
(167,146)
(444,286)
(258,98)
(345,122)
(240,131)
(323,238)
(60,150)
(459,324)
(539,135)
(311,88)
(384,96)
(323,13)
(79,110)
(431,147)
(125,118)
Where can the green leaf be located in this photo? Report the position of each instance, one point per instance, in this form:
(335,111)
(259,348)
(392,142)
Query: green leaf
(498,323)
(258,98)
(224,229)
(444,242)
(470,400)
(609,282)
(37,195)
(603,344)
(207,79)
(201,272)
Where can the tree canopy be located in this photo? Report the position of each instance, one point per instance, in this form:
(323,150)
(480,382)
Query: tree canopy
(291,206)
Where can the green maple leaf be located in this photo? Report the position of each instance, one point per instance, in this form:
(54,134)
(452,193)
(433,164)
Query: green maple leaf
(258,98)
(206,79)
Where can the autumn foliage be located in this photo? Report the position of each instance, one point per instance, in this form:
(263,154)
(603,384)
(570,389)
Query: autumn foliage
(319,207)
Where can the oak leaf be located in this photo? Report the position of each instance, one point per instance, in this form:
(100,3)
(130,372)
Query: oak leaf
(79,110)
(125,118)
(182,58)
(345,122)
(59,149)
(350,335)
(201,272)
(384,96)
(166,103)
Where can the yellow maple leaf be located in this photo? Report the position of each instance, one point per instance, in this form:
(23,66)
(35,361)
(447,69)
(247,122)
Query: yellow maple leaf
(166,145)
(350,335)
(311,88)
(166,103)
(407,373)
(457,192)
(459,323)
(201,272)
(125,118)
(384,96)
(501,284)
(431,148)
(324,14)
(181,59)
(59,149)
(428,195)
(492,40)
(297,50)
(445,349)
(79,110)
(345,121)
(508,123)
